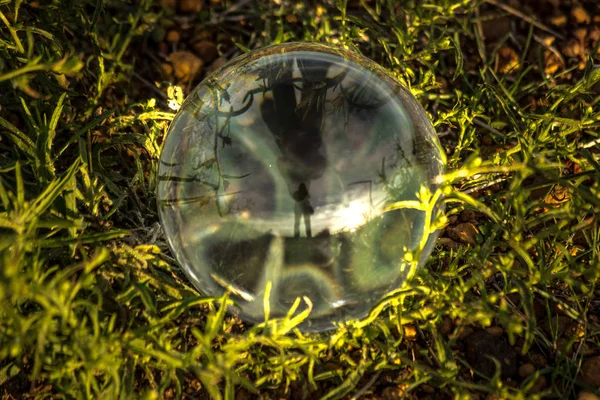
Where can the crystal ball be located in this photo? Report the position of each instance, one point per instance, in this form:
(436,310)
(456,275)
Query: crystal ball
(276,177)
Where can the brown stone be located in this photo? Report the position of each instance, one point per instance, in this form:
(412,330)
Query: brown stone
(508,60)
(526,370)
(464,233)
(559,20)
(495,330)
(487,140)
(173,36)
(468,216)
(332,366)
(590,372)
(587,396)
(207,50)
(410,332)
(557,195)
(185,65)
(580,15)
(190,6)
(548,40)
(427,389)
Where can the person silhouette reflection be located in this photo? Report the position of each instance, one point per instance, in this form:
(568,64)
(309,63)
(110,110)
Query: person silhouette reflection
(297,128)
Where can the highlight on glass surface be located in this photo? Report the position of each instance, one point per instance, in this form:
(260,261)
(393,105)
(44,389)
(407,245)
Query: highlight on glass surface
(283,169)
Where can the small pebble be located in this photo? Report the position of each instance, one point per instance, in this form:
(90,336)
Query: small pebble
(580,15)
(173,37)
(526,370)
(559,20)
(549,40)
(185,65)
(495,330)
(410,332)
(428,389)
(464,233)
(468,215)
(590,372)
(587,396)
(190,6)
(332,366)
(207,50)
(508,60)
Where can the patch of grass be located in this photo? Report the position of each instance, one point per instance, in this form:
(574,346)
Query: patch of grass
(92,305)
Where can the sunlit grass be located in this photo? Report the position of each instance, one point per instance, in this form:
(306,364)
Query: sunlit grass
(92,304)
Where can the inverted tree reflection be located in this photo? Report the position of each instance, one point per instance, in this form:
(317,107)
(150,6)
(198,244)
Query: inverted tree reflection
(292,100)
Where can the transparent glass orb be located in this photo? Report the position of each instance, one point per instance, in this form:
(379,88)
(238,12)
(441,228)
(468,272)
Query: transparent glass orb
(278,168)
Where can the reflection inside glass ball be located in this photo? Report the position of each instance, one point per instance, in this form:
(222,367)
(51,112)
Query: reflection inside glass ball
(279,168)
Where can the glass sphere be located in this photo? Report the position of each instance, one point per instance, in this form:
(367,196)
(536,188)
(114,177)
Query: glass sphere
(279,168)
